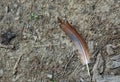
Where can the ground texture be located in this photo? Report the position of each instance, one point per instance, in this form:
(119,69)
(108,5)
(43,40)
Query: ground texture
(34,49)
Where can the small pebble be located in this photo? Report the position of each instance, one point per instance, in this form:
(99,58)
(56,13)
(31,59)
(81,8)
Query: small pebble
(109,49)
(17,18)
(1,72)
(6,9)
(49,76)
(60,61)
(15,5)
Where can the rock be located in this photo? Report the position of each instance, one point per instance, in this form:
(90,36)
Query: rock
(15,78)
(1,72)
(18,11)
(49,76)
(98,67)
(22,1)
(116,58)
(114,62)
(109,49)
(6,9)
(109,79)
(17,18)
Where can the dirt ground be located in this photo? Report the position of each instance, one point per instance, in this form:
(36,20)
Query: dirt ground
(33,48)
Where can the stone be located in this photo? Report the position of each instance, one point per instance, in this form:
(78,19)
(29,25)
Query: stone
(49,76)
(98,67)
(1,72)
(109,79)
(109,49)
(114,62)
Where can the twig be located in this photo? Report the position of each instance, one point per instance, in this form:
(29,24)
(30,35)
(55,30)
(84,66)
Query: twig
(22,33)
(16,64)
(18,61)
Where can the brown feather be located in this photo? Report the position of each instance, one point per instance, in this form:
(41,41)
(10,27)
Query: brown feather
(77,40)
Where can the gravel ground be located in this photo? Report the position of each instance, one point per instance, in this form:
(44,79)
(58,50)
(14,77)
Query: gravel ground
(34,49)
